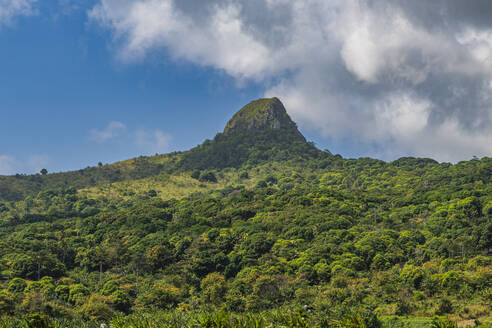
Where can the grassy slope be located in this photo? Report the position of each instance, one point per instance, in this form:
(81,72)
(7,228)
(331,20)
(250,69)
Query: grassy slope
(13,188)
(180,185)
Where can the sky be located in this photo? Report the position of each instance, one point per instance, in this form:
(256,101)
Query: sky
(88,81)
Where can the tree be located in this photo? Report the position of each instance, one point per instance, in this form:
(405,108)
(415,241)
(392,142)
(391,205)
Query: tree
(62,292)
(17,285)
(159,256)
(214,288)
(102,257)
(162,295)
(7,302)
(121,300)
(96,308)
(207,176)
(44,171)
(78,293)
(412,275)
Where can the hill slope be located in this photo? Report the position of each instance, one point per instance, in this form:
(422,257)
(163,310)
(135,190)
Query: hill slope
(255,220)
(260,131)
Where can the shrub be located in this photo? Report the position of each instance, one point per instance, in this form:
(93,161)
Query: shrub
(323,271)
(444,306)
(360,318)
(440,323)
(207,176)
(7,302)
(37,321)
(96,308)
(121,301)
(17,285)
(62,292)
(453,281)
(78,292)
(478,261)
(109,288)
(412,275)
(162,295)
(195,174)
(214,289)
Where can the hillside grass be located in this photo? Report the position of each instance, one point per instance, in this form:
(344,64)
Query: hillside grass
(180,185)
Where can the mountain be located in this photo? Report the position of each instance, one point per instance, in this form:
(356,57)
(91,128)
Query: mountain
(256,220)
(260,115)
(260,131)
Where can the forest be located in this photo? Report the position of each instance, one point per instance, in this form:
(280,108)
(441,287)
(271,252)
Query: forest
(249,230)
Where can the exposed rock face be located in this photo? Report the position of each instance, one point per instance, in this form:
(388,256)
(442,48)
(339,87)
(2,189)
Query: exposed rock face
(261,114)
(261,131)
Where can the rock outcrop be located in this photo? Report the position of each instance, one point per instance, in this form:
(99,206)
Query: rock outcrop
(262,114)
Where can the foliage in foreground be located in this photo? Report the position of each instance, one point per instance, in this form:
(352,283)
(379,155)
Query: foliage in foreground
(362,318)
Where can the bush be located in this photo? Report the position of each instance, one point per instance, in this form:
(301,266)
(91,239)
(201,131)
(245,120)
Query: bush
(403,307)
(214,289)
(162,295)
(7,302)
(121,301)
(17,285)
(440,323)
(360,318)
(109,288)
(207,176)
(37,321)
(453,281)
(478,261)
(412,275)
(62,292)
(96,309)
(78,293)
(195,174)
(444,306)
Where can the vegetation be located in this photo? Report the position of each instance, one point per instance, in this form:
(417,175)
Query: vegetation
(278,235)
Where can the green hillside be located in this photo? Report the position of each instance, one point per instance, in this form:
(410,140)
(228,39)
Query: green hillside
(255,228)
(243,142)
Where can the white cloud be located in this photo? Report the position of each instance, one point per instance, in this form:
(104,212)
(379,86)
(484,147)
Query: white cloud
(151,24)
(7,165)
(32,164)
(155,141)
(390,73)
(12,8)
(149,141)
(400,115)
(113,130)
(37,162)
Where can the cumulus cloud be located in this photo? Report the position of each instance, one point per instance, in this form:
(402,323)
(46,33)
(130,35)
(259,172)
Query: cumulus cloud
(10,165)
(114,129)
(7,165)
(11,8)
(37,162)
(155,141)
(146,140)
(410,77)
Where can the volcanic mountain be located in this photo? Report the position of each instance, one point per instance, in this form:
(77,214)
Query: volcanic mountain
(260,131)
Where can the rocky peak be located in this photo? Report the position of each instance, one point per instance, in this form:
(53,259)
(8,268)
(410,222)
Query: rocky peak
(261,114)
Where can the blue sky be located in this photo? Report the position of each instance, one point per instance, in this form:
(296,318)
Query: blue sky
(106,80)
(60,82)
